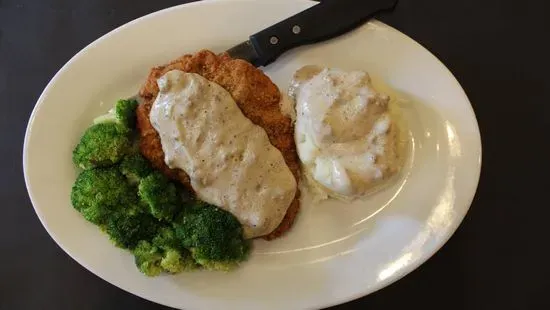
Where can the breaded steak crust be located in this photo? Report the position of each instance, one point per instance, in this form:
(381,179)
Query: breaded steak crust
(255,94)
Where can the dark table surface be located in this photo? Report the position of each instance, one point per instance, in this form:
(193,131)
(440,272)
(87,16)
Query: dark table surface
(497,49)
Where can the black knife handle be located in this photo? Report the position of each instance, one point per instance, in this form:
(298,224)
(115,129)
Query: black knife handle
(323,21)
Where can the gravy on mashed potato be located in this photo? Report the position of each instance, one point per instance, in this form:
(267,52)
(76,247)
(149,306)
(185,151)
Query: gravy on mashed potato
(347,134)
(230,160)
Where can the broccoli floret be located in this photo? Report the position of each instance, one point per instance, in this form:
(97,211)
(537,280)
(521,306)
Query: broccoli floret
(97,193)
(166,239)
(123,113)
(97,214)
(214,237)
(135,167)
(175,257)
(127,230)
(101,145)
(148,258)
(175,261)
(163,254)
(160,195)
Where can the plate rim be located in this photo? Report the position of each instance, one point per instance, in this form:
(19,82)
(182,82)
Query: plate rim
(335,301)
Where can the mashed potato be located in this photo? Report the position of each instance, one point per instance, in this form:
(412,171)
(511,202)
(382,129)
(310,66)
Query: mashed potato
(348,135)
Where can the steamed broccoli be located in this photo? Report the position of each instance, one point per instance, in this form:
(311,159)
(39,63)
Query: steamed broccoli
(164,253)
(166,239)
(98,193)
(214,237)
(123,113)
(142,210)
(160,195)
(175,257)
(109,139)
(135,167)
(175,261)
(101,145)
(126,230)
(148,258)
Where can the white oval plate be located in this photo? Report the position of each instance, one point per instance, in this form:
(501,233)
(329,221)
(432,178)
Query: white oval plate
(335,252)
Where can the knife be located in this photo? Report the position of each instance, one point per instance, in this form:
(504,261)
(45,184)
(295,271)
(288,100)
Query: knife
(323,21)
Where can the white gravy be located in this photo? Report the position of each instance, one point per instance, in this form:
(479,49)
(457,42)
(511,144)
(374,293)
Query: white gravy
(230,160)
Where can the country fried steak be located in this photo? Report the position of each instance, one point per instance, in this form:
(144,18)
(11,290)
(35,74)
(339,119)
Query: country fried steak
(255,94)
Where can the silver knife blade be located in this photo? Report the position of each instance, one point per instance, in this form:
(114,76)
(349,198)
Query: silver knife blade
(245,51)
